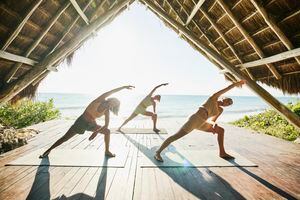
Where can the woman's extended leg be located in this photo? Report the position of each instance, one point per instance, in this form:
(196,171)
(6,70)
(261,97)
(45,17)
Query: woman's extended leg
(154,119)
(168,141)
(220,131)
(133,115)
(69,134)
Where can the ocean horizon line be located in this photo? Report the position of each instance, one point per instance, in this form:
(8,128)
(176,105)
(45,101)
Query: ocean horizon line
(206,95)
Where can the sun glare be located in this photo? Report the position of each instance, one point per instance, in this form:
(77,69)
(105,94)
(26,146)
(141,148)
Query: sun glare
(138,49)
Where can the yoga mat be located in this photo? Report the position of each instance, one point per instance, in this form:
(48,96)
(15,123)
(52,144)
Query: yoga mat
(139,131)
(194,158)
(72,158)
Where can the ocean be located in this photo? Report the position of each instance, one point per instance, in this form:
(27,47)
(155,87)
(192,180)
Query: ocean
(171,106)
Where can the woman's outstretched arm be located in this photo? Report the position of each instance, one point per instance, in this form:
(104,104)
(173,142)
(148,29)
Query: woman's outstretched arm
(223,91)
(106,94)
(152,91)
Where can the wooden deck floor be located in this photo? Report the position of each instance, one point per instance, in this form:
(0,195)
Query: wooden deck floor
(277,177)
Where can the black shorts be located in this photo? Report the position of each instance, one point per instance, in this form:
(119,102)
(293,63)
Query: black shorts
(81,125)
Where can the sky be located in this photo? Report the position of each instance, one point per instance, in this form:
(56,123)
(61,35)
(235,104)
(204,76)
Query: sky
(138,49)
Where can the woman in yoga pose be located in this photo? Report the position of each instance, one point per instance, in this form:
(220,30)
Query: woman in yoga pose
(143,105)
(211,109)
(87,121)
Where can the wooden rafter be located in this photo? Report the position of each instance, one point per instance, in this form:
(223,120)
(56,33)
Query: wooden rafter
(67,31)
(79,11)
(284,74)
(260,30)
(210,41)
(15,68)
(225,40)
(287,43)
(297,12)
(38,79)
(97,12)
(289,115)
(212,6)
(15,33)
(194,11)
(236,4)
(228,75)
(10,90)
(248,37)
(178,15)
(16,58)
(272,59)
(248,16)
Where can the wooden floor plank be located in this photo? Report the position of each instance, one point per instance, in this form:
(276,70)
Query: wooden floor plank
(276,177)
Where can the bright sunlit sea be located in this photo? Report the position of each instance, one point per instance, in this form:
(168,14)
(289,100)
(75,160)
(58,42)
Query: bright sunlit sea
(171,106)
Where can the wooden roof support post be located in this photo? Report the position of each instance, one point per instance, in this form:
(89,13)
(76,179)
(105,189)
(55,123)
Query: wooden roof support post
(10,90)
(271,67)
(283,110)
(274,27)
(225,40)
(52,21)
(15,33)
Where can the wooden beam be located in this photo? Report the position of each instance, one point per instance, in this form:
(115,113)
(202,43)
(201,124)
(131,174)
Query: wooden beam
(228,75)
(79,11)
(284,74)
(15,33)
(236,4)
(16,58)
(248,37)
(225,40)
(283,110)
(178,15)
(272,59)
(15,68)
(66,32)
(38,79)
(287,43)
(248,17)
(224,71)
(98,11)
(210,42)
(290,16)
(10,90)
(194,11)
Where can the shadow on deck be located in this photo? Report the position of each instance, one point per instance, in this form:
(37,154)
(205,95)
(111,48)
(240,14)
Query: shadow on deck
(275,178)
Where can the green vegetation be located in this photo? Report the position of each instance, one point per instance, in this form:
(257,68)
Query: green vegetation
(27,112)
(24,113)
(271,123)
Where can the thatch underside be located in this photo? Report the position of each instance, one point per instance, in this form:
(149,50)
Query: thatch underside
(241,31)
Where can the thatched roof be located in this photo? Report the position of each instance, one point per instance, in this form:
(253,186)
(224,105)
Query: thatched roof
(37,35)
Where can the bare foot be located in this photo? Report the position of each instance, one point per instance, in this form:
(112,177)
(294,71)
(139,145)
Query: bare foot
(158,157)
(156,130)
(109,154)
(226,156)
(93,136)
